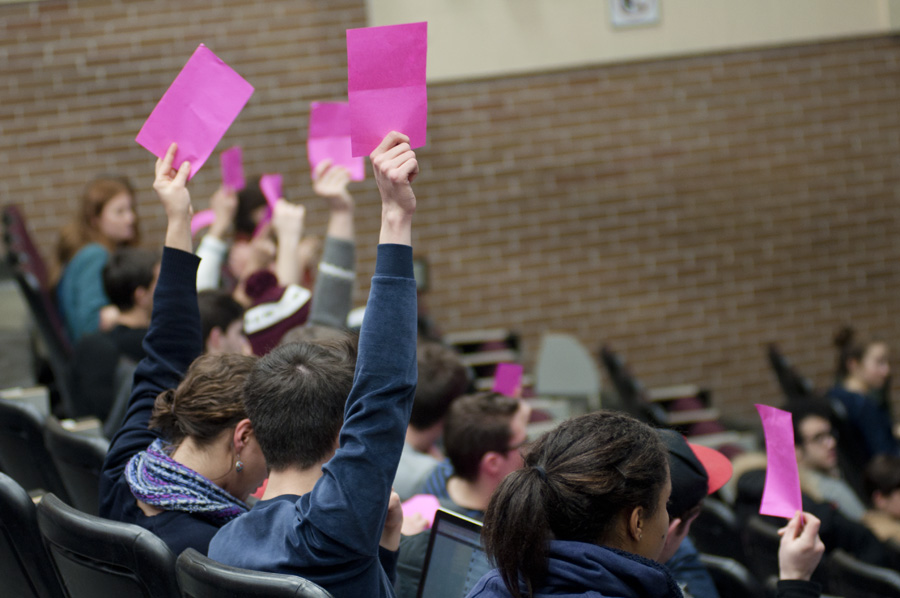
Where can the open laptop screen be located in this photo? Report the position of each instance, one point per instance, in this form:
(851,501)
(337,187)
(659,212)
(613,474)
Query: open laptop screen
(455,560)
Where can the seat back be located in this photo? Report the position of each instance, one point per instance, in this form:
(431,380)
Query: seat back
(716,531)
(79,460)
(124,380)
(632,393)
(851,578)
(98,558)
(565,368)
(761,542)
(23,455)
(24,563)
(793,385)
(202,577)
(30,272)
(732,579)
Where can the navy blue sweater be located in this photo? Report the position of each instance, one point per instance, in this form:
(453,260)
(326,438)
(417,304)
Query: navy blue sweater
(331,535)
(172,343)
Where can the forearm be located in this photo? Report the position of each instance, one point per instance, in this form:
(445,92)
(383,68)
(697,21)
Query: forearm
(396,227)
(340,224)
(178,232)
(211,252)
(333,293)
(286,267)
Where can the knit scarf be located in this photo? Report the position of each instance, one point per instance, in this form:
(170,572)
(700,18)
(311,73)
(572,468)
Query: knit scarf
(156,479)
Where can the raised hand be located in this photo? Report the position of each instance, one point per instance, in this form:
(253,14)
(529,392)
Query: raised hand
(801,548)
(395,168)
(223,203)
(171,187)
(330,181)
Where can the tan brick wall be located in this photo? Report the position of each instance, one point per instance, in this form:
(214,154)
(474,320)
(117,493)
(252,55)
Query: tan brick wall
(687,211)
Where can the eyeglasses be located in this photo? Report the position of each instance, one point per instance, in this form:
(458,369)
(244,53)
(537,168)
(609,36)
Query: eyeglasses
(822,437)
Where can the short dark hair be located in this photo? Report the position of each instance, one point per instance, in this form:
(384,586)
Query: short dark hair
(442,378)
(882,475)
(806,408)
(218,309)
(577,481)
(250,199)
(475,425)
(295,398)
(127,270)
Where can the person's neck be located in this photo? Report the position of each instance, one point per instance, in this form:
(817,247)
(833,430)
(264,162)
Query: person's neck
(134,318)
(292,481)
(214,461)
(856,385)
(423,441)
(470,495)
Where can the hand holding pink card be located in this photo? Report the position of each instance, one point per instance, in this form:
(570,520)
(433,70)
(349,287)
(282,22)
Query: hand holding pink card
(270,185)
(329,138)
(196,110)
(781,495)
(508,380)
(425,505)
(201,220)
(386,84)
(232,163)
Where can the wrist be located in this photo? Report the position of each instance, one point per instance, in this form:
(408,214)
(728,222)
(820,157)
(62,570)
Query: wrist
(396,227)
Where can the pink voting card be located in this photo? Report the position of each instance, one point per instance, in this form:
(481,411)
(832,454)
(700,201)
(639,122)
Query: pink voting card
(781,495)
(270,185)
(425,505)
(329,138)
(232,163)
(508,379)
(196,110)
(386,84)
(201,220)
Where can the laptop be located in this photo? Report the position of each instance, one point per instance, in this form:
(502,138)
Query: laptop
(455,560)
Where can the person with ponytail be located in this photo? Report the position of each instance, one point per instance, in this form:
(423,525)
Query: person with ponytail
(862,372)
(106,221)
(186,458)
(586,515)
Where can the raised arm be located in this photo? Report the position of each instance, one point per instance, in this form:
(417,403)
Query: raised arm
(213,248)
(174,338)
(333,293)
(287,219)
(377,410)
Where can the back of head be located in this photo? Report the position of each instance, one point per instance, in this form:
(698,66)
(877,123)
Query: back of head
(442,378)
(219,310)
(127,270)
(475,425)
(316,333)
(882,475)
(81,230)
(250,200)
(295,399)
(577,483)
(849,348)
(208,401)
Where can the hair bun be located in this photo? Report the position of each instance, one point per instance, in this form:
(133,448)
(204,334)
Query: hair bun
(844,337)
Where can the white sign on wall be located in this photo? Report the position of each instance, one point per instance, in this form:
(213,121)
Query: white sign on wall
(632,13)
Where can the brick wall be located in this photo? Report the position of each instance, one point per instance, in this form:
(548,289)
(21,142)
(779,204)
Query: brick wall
(687,211)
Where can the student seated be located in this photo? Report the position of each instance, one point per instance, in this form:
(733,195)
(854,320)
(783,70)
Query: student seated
(186,457)
(442,379)
(882,479)
(129,279)
(222,319)
(586,516)
(482,437)
(328,513)
(106,221)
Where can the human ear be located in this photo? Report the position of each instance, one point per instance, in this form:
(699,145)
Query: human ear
(242,433)
(636,524)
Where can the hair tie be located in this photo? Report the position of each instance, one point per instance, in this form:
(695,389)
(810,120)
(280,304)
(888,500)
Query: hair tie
(542,473)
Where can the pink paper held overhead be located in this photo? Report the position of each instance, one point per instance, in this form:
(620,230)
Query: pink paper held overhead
(781,495)
(201,220)
(329,138)
(386,84)
(196,110)
(232,163)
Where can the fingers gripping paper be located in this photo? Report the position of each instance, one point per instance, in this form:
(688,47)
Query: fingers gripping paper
(196,110)
(386,84)
(329,138)
(781,495)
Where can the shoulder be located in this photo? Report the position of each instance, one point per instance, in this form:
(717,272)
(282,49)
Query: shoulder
(90,253)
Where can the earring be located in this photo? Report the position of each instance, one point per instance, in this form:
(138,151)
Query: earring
(239,465)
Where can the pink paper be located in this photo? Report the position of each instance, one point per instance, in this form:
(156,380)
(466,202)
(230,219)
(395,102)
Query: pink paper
(425,505)
(386,84)
(232,162)
(508,379)
(270,185)
(201,220)
(329,138)
(196,110)
(781,495)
